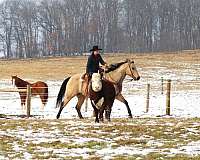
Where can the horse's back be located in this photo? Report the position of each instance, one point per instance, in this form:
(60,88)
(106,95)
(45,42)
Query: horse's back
(40,88)
(74,85)
(39,84)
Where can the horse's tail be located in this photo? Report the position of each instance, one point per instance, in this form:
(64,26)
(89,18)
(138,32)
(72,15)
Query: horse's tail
(61,92)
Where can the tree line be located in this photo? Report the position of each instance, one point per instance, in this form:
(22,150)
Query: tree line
(30,28)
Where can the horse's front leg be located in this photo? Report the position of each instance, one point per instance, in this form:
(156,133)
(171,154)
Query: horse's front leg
(23,100)
(81,99)
(122,99)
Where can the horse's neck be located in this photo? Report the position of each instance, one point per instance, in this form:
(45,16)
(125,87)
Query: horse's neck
(21,83)
(117,76)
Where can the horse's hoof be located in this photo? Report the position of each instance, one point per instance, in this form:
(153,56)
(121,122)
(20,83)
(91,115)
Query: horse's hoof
(57,116)
(130,116)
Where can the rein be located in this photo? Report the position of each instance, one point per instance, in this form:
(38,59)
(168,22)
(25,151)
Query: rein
(116,83)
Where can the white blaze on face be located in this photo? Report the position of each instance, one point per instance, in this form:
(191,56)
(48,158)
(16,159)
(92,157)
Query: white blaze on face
(96,82)
(13,82)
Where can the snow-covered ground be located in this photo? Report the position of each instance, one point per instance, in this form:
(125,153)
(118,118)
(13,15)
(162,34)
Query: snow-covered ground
(184,103)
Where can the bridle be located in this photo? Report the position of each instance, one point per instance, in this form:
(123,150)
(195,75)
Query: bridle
(129,65)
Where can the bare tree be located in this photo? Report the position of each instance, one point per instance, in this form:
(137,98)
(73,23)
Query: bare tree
(7,10)
(31,28)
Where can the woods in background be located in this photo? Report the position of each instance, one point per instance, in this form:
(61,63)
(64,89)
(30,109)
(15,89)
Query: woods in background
(30,28)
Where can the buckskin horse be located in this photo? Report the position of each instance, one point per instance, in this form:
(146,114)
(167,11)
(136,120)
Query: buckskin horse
(38,88)
(74,86)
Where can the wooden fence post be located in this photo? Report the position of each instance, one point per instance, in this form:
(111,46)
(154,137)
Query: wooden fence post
(168,97)
(161,85)
(147,102)
(28,100)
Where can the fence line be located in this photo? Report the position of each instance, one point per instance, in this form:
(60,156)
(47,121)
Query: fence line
(12,90)
(161,85)
(28,95)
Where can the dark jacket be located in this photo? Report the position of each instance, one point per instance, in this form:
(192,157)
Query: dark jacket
(93,63)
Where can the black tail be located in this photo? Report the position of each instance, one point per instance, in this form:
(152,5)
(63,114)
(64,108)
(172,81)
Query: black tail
(61,92)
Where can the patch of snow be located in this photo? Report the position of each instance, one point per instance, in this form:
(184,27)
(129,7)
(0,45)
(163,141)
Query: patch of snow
(192,148)
(124,151)
(183,103)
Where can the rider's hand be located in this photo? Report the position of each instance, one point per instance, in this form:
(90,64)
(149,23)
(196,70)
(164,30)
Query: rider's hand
(106,65)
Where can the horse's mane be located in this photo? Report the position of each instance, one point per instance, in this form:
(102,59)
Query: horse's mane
(19,81)
(114,66)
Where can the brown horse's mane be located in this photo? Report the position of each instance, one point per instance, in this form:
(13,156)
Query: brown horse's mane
(20,82)
(114,66)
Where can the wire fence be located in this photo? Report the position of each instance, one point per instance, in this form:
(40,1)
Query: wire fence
(156,88)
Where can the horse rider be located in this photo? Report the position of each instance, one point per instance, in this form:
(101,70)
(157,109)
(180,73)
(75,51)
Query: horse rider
(93,63)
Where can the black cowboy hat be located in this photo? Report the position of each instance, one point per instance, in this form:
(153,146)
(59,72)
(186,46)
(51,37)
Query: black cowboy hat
(95,48)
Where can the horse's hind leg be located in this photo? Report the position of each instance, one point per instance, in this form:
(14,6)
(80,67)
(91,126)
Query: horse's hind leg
(44,97)
(81,99)
(122,99)
(44,101)
(63,104)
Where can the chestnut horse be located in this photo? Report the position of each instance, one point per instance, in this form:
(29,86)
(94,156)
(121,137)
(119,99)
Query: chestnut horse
(75,86)
(38,88)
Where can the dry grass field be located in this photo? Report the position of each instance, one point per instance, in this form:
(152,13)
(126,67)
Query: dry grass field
(58,68)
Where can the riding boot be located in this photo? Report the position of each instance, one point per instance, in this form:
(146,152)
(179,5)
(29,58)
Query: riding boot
(83,77)
(85,85)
